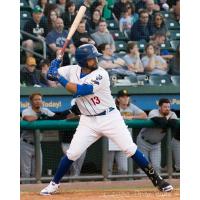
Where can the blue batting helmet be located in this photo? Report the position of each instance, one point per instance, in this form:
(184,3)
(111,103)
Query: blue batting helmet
(85,52)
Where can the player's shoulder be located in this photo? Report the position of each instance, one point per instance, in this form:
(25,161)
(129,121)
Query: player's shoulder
(102,71)
(28,109)
(67,68)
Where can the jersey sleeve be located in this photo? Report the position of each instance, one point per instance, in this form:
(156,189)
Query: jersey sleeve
(100,81)
(173,116)
(64,71)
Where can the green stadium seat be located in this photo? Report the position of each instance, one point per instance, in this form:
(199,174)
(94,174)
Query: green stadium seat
(117,35)
(167,15)
(112,25)
(175,80)
(25,14)
(159,80)
(174,34)
(24,5)
(121,46)
(174,44)
(141,44)
(22,23)
(142,79)
(166,45)
(172,24)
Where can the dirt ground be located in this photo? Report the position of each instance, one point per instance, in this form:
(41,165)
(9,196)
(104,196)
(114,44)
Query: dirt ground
(108,190)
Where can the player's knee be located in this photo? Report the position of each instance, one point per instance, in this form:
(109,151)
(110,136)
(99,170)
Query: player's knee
(73,155)
(130,150)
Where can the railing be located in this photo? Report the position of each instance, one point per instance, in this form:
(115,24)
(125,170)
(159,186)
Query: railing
(67,124)
(44,56)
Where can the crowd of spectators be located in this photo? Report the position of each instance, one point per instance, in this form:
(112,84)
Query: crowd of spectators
(138,20)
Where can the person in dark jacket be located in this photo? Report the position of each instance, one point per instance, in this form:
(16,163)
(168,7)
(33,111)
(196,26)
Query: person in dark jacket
(37,27)
(30,76)
(141,29)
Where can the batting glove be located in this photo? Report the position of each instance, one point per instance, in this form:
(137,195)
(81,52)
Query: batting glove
(52,74)
(55,63)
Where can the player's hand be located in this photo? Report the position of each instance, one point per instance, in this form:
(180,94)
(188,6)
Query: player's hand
(52,74)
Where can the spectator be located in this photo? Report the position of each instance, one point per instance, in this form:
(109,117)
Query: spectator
(125,22)
(56,39)
(61,6)
(103,35)
(158,24)
(81,36)
(158,40)
(92,25)
(151,8)
(37,28)
(164,6)
(176,10)
(65,138)
(128,111)
(132,59)
(27,149)
(140,5)
(132,12)
(103,7)
(175,143)
(50,7)
(87,4)
(43,4)
(174,63)
(44,67)
(153,64)
(52,16)
(149,139)
(118,7)
(69,14)
(30,76)
(113,64)
(141,29)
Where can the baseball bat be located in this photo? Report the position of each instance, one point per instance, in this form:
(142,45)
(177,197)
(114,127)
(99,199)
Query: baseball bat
(73,28)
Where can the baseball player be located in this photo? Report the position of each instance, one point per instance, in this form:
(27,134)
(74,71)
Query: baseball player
(149,139)
(90,85)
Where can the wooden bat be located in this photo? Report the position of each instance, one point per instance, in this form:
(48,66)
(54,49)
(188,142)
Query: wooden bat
(73,28)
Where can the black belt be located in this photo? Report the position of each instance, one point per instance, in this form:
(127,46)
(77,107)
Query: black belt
(28,142)
(102,113)
(148,141)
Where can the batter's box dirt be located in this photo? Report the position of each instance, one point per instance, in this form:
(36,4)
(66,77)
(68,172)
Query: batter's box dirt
(115,190)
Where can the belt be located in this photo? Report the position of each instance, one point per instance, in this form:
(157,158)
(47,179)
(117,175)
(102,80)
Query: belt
(148,141)
(102,113)
(32,143)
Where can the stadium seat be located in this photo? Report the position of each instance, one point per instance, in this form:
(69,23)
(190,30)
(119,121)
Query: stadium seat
(24,5)
(22,23)
(174,34)
(175,80)
(167,15)
(141,44)
(172,24)
(25,14)
(166,45)
(142,79)
(112,25)
(121,46)
(117,35)
(174,44)
(159,80)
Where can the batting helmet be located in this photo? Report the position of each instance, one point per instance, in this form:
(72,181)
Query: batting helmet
(85,52)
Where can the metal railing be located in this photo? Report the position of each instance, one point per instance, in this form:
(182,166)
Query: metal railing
(44,55)
(64,124)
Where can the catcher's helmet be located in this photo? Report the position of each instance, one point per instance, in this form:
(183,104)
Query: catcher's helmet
(85,52)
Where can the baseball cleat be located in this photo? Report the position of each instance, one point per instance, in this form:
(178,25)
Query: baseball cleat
(163,186)
(50,189)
